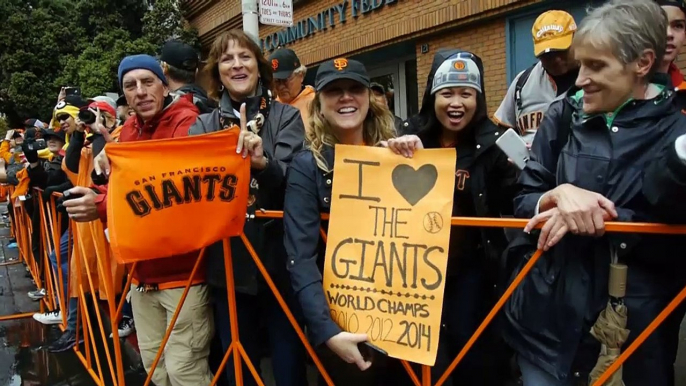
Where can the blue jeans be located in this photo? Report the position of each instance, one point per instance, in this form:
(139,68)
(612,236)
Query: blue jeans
(287,351)
(533,375)
(126,310)
(65,241)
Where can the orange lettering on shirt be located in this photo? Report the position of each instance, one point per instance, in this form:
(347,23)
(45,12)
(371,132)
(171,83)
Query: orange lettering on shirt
(462,176)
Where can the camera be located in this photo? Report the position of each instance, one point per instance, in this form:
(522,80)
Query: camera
(88,117)
(66,196)
(36,144)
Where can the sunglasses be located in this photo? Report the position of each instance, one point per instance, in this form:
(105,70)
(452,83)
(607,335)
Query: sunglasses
(62,117)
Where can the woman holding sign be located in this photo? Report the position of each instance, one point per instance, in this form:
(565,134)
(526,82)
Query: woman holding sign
(454,116)
(342,112)
(241,79)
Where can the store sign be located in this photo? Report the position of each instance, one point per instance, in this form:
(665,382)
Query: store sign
(276,12)
(320,22)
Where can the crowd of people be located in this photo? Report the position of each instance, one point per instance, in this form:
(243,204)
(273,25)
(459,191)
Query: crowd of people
(602,112)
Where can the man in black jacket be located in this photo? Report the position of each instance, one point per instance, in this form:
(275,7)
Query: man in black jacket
(180,65)
(48,176)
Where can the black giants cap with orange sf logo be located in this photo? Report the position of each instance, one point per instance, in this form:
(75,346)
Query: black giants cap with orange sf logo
(341,68)
(283,61)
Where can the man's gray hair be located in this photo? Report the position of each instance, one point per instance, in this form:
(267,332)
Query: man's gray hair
(627,28)
(301,70)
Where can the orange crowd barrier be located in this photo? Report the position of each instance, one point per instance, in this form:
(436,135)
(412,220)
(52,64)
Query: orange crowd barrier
(95,281)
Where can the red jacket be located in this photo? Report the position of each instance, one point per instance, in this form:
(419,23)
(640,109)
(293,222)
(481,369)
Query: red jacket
(173,121)
(677,77)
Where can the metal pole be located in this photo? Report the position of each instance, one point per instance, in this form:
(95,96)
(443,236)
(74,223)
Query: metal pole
(250,20)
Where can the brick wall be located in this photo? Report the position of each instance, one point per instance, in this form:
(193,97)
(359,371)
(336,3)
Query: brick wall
(389,24)
(487,40)
(475,25)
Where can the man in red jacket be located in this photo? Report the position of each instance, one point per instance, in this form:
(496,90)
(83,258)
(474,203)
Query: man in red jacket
(158,284)
(676,37)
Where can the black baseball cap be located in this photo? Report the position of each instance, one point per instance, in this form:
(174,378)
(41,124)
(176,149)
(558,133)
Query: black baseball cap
(121,101)
(377,87)
(341,68)
(284,61)
(674,3)
(180,55)
(47,133)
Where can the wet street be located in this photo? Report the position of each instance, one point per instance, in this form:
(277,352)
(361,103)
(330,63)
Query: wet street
(24,358)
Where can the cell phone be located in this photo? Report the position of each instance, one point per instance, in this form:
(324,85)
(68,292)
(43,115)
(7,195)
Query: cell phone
(72,91)
(514,147)
(368,350)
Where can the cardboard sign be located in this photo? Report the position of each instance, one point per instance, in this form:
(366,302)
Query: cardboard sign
(174,196)
(387,248)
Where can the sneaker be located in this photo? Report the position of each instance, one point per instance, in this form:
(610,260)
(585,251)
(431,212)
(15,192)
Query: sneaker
(37,294)
(50,317)
(65,342)
(12,245)
(126,327)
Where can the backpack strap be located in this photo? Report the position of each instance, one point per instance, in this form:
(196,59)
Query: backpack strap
(521,81)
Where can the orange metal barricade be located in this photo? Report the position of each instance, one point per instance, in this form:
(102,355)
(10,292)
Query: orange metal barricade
(50,227)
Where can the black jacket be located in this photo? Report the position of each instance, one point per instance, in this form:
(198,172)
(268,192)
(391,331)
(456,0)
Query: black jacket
(551,312)
(308,193)
(282,136)
(200,99)
(493,186)
(49,177)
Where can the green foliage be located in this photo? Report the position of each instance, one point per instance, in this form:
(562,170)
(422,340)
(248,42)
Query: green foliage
(48,44)
(3,127)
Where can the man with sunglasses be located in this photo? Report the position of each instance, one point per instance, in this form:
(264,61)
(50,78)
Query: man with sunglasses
(65,114)
(533,89)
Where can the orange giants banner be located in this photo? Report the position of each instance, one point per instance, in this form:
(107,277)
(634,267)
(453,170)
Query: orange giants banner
(173,196)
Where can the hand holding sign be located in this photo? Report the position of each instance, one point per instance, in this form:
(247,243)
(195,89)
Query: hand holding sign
(405,145)
(344,344)
(250,144)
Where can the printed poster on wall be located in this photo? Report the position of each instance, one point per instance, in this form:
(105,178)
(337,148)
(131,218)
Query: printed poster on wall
(387,247)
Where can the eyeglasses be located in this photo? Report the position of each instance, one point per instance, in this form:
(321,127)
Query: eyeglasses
(284,81)
(62,117)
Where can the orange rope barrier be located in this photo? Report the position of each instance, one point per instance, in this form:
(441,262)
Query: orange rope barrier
(50,227)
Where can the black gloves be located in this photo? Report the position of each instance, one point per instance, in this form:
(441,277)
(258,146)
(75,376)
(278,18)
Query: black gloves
(30,151)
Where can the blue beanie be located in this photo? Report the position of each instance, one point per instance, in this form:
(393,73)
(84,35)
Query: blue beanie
(138,62)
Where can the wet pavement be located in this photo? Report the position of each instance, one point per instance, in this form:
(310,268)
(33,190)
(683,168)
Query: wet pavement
(24,358)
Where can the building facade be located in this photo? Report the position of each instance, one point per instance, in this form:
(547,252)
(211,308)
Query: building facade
(396,39)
